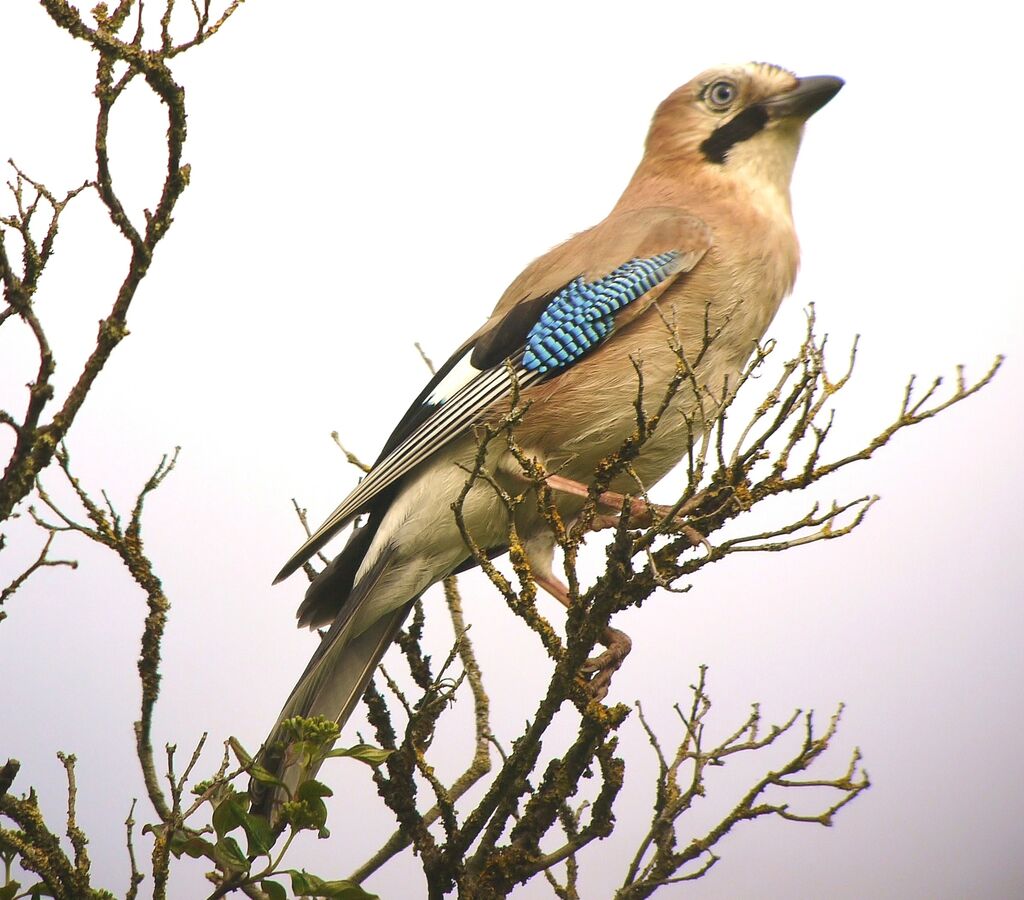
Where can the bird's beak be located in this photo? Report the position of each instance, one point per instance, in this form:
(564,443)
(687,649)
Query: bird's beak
(809,95)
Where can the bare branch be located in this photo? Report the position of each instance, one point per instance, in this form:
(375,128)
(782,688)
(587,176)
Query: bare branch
(43,560)
(349,455)
(37,439)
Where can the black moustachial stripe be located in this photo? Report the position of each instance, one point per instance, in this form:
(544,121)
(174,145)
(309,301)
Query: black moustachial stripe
(739,128)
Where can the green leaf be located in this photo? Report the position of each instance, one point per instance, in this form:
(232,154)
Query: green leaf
(312,789)
(318,814)
(10,890)
(258,833)
(261,775)
(367,753)
(306,885)
(228,815)
(344,890)
(229,855)
(232,813)
(309,799)
(191,844)
(307,811)
(303,884)
(243,755)
(39,890)
(274,890)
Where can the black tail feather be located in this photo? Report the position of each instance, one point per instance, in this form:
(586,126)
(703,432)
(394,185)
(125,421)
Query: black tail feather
(326,596)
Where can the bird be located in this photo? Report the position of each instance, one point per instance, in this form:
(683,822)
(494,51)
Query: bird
(702,239)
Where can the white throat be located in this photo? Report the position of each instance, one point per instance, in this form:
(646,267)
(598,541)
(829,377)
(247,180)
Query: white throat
(763,164)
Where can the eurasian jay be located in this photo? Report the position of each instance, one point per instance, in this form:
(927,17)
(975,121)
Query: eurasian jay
(702,238)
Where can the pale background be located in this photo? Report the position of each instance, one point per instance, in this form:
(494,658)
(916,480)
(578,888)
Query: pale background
(365,176)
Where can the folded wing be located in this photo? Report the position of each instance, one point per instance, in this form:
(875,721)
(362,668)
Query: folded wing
(530,340)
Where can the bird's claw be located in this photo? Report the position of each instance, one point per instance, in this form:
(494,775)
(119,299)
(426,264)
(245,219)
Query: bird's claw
(641,514)
(601,668)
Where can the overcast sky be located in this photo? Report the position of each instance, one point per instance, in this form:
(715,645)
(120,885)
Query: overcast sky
(368,175)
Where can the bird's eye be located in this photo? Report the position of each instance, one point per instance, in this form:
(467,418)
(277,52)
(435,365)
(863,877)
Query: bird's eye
(721,94)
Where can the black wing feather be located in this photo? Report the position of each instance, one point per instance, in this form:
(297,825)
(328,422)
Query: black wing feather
(509,335)
(419,410)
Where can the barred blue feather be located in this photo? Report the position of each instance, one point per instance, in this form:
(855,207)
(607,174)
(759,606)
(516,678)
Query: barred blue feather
(582,314)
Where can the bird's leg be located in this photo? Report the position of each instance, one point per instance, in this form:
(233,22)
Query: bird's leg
(602,667)
(641,513)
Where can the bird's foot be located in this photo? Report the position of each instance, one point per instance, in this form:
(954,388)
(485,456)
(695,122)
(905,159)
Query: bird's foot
(601,668)
(696,538)
(597,671)
(639,514)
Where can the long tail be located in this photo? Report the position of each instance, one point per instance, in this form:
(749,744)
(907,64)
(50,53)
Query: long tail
(333,682)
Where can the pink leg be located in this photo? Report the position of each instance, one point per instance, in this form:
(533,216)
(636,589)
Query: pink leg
(641,513)
(600,668)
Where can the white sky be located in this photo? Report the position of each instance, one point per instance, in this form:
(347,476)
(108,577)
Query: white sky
(365,176)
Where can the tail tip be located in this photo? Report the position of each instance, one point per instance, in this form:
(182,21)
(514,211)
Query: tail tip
(288,569)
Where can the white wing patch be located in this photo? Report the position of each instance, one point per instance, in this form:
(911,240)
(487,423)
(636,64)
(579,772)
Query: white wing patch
(462,373)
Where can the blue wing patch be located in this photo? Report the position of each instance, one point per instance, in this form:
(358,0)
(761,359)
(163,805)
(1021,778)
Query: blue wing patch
(582,314)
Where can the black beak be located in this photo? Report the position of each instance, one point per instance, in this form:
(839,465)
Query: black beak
(809,95)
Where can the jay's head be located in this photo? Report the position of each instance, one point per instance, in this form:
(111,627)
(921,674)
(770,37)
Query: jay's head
(739,122)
